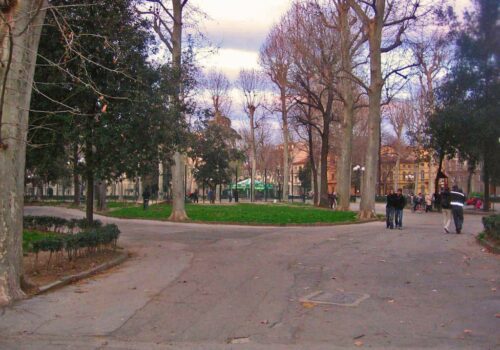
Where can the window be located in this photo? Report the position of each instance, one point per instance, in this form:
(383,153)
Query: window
(422,175)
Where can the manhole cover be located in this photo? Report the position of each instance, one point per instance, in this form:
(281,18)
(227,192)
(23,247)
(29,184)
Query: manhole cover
(335,298)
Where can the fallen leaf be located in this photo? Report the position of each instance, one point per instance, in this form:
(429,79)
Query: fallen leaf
(497,315)
(359,336)
(467,331)
(308,305)
(382,260)
(264,322)
(493,289)
(390,300)
(358,343)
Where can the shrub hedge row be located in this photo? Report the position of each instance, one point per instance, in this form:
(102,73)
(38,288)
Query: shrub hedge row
(56,224)
(75,236)
(85,242)
(492,226)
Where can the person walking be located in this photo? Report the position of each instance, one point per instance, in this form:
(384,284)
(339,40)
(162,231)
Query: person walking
(446,208)
(428,203)
(399,205)
(457,201)
(389,210)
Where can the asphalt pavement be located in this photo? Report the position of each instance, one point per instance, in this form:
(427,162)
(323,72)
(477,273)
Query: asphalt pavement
(196,286)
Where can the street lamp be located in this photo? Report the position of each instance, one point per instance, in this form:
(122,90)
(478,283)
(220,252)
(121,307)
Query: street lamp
(359,170)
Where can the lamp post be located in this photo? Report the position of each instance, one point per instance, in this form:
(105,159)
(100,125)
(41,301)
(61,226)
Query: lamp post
(359,170)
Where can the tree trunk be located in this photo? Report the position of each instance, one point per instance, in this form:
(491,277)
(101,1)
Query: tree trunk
(178,206)
(178,209)
(76,178)
(286,154)
(417,171)
(344,165)
(440,169)
(323,199)
(101,196)
(367,205)
(469,179)
(160,181)
(396,173)
(312,161)
(253,155)
(20,47)
(486,175)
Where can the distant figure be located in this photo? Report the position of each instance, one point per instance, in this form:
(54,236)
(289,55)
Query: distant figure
(428,203)
(211,196)
(332,200)
(437,200)
(195,196)
(235,195)
(230,196)
(145,198)
(390,209)
(457,207)
(399,205)
(446,208)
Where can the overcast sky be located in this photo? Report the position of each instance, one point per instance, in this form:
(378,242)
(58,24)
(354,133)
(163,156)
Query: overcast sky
(239,27)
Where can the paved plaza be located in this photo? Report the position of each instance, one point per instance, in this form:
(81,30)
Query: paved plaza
(194,286)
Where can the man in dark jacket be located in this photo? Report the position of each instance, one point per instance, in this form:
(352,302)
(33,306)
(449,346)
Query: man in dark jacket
(399,205)
(457,200)
(446,207)
(389,209)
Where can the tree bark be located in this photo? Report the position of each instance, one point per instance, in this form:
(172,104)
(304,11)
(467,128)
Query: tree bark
(76,177)
(178,209)
(325,147)
(367,205)
(102,189)
(344,165)
(312,161)
(486,175)
(286,153)
(253,154)
(20,49)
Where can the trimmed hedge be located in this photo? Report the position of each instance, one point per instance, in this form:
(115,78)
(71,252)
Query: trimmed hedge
(56,224)
(85,242)
(88,239)
(492,226)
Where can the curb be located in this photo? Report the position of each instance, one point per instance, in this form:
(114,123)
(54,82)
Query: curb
(489,246)
(84,274)
(250,224)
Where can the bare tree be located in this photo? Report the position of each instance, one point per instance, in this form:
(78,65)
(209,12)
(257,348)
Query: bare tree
(218,85)
(314,75)
(252,84)
(431,52)
(384,23)
(167,16)
(20,27)
(276,59)
(337,15)
(398,114)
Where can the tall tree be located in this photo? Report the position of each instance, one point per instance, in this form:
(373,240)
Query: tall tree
(276,59)
(20,26)
(384,23)
(314,76)
(251,83)
(168,21)
(468,100)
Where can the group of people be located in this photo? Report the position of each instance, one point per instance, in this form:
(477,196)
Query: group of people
(450,202)
(396,202)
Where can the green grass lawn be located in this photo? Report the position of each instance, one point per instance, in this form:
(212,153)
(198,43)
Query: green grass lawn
(277,214)
(30,236)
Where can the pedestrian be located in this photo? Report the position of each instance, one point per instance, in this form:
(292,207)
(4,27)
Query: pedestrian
(230,196)
(446,208)
(399,205)
(437,200)
(428,203)
(457,201)
(145,198)
(389,210)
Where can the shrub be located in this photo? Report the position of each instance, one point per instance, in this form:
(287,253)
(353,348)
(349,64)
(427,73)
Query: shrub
(57,224)
(89,238)
(492,226)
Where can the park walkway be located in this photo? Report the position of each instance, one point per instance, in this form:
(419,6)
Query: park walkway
(194,286)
